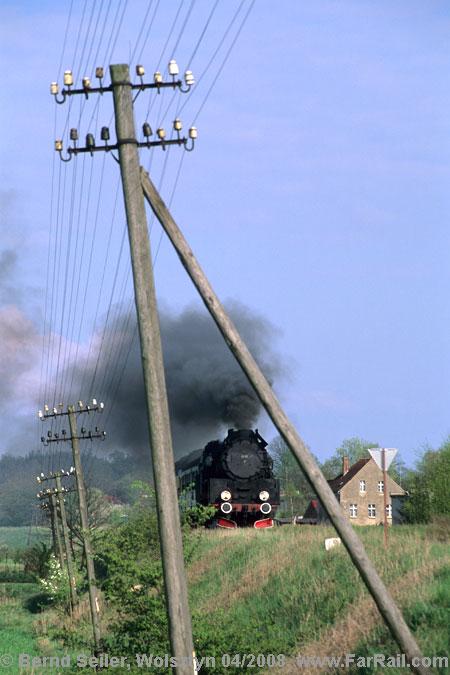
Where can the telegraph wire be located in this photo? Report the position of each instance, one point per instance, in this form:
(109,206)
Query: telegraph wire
(213,57)
(106,60)
(117,34)
(141,31)
(183,27)
(78,71)
(79,35)
(148,31)
(114,36)
(224,61)
(86,67)
(65,37)
(102,33)
(202,35)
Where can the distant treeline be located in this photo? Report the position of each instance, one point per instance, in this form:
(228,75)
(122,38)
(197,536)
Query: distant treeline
(18,486)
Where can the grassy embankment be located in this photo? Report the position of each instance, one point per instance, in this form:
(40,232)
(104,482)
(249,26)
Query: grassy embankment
(280,592)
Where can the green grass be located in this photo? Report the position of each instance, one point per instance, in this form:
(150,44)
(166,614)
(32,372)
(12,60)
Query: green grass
(22,537)
(17,634)
(279,591)
(429,619)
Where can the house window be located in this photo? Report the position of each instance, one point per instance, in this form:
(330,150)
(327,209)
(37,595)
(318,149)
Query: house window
(353,510)
(381,486)
(388,511)
(372,510)
(362,485)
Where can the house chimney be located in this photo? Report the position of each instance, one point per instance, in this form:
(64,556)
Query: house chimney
(345,466)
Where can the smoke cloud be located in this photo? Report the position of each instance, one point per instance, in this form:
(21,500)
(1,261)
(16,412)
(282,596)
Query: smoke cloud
(206,388)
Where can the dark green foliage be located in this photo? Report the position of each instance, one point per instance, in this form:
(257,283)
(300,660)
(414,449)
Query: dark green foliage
(429,489)
(128,567)
(16,576)
(36,560)
(112,476)
(293,482)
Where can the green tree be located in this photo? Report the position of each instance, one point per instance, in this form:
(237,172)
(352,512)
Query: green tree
(429,489)
(294,485)
(353,448)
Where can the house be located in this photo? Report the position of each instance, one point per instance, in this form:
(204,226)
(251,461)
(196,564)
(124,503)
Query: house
(360,491)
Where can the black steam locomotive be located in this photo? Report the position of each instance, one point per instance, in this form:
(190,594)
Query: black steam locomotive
(235,476)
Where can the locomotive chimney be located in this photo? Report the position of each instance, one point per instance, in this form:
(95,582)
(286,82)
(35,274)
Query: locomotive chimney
(345,466)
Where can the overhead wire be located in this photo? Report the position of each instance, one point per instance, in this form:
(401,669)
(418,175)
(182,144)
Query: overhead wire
(112,317)
(224,61)
(141,31)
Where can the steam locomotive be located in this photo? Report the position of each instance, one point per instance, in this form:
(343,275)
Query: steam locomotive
(235,476)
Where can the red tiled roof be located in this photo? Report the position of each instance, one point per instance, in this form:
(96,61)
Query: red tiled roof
(337,483)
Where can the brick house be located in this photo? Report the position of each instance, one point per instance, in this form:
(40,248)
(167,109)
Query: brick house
(360,491)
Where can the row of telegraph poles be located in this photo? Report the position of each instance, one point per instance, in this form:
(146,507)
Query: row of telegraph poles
(55,501)
(137,184)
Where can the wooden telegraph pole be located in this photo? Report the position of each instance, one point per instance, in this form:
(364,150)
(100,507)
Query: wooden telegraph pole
(152,364)
(92,587)
(53,527)
(69,562)
(57,498)
(59,553)
(74,439)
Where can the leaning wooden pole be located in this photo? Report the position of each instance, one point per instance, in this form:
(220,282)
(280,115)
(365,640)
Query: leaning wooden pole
(387,607)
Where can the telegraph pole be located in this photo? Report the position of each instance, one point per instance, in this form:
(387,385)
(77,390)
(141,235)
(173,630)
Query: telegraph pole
(57,497)
(57,532)
(152,363)
(92,587)
(74,438)
(53,526)
(69,562)
(158,415)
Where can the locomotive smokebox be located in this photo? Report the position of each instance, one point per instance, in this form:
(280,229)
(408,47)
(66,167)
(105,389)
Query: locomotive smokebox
(243,456)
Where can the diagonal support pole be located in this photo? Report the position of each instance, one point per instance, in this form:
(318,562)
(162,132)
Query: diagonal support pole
(387,607)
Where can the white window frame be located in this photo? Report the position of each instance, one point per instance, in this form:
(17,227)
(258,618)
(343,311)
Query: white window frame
(353,510)
(362,486)
(381,487)
(372,510)
(388,510)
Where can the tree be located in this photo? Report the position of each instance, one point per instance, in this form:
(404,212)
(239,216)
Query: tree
(429,489)
(353,448)
(297,492)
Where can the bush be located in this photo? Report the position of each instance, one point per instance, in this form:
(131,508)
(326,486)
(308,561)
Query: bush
(56,582)
(36,560)
(16,577)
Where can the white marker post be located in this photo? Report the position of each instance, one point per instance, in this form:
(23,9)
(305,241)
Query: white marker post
(383,457)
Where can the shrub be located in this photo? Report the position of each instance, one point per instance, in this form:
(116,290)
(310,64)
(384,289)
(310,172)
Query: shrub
(36,560)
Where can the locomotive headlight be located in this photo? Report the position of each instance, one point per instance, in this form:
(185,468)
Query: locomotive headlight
(264,495)
(225,495)
(265,508)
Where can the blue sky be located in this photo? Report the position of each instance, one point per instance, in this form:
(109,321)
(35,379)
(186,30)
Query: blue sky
(317,195)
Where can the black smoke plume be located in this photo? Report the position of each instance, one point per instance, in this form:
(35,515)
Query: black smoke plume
(207,390)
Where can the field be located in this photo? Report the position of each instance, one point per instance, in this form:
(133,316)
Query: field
(279,592)
(21,537)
